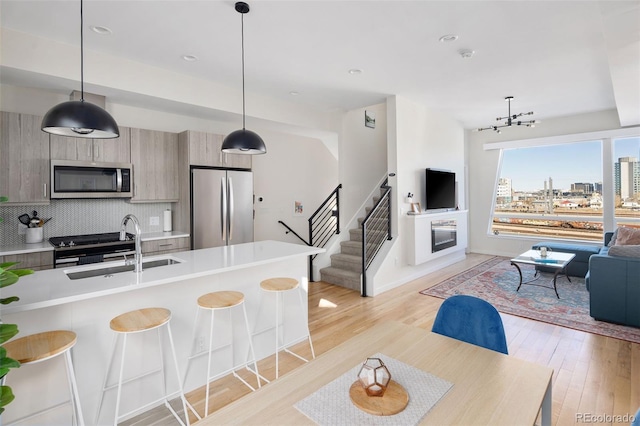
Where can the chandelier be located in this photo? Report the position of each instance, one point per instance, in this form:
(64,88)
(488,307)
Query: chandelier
(511,120)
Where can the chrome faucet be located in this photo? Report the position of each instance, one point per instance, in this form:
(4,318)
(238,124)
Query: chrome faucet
(123,235)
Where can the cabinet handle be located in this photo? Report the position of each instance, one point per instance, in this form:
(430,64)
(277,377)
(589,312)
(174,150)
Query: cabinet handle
(45,190)
(90,151)
(165,245)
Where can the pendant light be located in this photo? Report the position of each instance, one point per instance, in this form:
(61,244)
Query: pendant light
(79,118)
(243,141)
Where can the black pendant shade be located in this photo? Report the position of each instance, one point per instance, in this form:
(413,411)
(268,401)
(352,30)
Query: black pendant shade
(243,141)
(80,119)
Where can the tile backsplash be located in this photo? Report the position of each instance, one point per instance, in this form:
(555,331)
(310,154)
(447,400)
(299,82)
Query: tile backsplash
(77,217)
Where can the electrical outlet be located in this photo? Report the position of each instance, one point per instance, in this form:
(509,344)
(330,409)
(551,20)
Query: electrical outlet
(22,229)
(200,344)
(154,221)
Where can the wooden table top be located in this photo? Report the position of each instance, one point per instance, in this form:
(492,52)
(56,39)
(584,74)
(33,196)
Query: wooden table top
(488,387)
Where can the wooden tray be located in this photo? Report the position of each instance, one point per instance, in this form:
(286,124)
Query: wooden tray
(394,400)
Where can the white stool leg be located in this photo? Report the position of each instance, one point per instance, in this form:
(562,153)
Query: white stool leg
(277,340)
(175,363)
(206,404)
(106,376)
(124,347)
(306,321)
(75,397)
(193,340)
(253,354)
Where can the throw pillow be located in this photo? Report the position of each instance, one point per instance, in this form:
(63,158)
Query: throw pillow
(628,236)
(612,241)
(625,251)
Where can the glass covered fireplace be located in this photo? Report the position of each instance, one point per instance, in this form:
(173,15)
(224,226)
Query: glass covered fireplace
(443,234)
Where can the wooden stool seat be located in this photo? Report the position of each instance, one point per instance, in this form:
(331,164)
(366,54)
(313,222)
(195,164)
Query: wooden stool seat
(279,284)
(40,346)
(137,321)
(220,299)
(140,320)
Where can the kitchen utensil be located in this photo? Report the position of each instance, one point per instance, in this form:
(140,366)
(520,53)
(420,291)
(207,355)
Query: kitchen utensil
(24,219)
(46,220)
(35,220)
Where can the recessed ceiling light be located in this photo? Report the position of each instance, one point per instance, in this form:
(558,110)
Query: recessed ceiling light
(355,71)
(448,38)
(294,93)
(100,30)
(466,53)
(190,58)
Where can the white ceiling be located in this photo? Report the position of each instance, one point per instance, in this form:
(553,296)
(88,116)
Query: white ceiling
(556,58)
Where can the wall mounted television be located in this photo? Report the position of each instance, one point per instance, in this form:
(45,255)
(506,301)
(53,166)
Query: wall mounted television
(440,189)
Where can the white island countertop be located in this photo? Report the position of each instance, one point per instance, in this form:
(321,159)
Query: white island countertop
(53,287)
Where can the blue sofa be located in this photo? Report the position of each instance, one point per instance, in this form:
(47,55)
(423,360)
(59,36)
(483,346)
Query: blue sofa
(614,287)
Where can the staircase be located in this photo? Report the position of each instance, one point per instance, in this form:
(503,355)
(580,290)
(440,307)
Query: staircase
(346,266)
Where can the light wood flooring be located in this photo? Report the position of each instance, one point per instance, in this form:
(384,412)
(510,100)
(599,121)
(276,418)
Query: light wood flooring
(595,378)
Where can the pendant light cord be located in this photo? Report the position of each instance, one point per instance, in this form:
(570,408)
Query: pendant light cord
(243,101)
(81,54)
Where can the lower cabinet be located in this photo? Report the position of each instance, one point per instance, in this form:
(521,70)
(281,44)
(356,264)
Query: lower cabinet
(37,261)
(169,245)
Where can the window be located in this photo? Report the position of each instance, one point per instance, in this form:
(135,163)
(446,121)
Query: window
(551,191)
(626,179)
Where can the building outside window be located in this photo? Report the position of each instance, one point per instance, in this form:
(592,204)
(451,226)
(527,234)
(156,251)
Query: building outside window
(559,191)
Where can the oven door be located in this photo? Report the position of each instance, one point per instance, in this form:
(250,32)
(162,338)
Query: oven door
(79,179)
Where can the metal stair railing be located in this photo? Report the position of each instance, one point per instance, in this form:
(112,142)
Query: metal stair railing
(323,224)
(376,229)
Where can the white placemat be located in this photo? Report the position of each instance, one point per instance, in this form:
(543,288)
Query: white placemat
(331,404)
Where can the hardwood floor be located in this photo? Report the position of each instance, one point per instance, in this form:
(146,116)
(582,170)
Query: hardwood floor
(595,378)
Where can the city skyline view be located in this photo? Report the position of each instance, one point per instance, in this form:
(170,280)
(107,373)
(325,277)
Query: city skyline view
(529,168)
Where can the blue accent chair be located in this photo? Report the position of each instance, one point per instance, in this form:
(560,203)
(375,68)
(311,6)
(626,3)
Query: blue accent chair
(471,320)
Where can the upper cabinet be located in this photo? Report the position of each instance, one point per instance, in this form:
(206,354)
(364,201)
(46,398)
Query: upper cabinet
(204,150)
(117,150)
(154,156)
(24,159)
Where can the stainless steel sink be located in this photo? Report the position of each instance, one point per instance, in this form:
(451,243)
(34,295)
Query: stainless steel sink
(108,271)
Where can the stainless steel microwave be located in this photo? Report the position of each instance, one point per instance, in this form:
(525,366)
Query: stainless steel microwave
(84,179)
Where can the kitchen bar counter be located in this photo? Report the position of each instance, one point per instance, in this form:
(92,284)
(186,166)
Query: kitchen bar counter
(53,287)
(25,248)
(49,300)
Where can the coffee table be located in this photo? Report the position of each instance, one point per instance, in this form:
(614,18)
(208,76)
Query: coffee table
(554,260)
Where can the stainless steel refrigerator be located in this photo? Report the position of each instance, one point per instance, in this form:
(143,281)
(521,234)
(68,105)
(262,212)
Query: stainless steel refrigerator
(221,207)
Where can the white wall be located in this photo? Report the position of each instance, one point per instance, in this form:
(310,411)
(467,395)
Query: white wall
(482,166)
(293,169)
(363,158)
(419,138)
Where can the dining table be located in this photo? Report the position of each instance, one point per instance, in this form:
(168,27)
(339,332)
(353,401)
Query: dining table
(484,387)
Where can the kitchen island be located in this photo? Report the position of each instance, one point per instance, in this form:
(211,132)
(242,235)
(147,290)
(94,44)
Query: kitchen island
(50,300)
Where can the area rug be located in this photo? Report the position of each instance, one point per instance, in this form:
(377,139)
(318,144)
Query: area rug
(496,280)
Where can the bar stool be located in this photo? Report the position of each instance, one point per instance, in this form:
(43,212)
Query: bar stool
(136,322)
(219,301)
(279,286)
(41,347)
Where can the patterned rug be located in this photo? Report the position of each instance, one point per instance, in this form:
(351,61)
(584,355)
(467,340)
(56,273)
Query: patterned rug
(496,281)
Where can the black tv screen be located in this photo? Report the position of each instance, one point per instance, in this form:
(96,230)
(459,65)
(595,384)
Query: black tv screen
(441,189)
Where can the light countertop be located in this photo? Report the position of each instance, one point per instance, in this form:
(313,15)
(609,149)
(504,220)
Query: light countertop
(46,246)
(52,287)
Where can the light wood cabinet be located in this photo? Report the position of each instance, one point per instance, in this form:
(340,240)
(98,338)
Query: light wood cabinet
(154,156)
(117,150)
(37,261)
(24,159)
(168,245)
(205,150)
